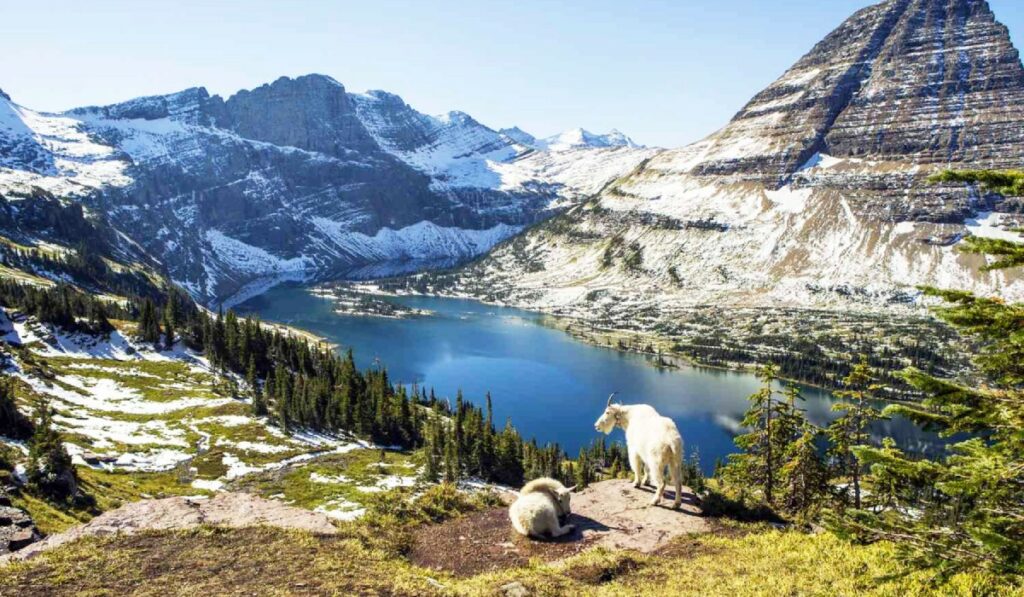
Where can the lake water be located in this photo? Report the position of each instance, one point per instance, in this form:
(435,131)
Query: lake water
(552,386)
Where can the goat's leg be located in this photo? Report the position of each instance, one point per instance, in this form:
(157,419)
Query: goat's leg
(637,464)
(555,526)
(677,481)
(658,480)
(560,531)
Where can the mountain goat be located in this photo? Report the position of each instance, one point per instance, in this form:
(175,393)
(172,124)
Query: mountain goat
(652,442)
(541,509)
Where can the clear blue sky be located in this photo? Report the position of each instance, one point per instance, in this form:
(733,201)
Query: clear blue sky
(666,72)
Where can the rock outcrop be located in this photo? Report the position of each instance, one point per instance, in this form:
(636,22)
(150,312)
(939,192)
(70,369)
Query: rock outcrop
(223,509)
(17,531)
(609,514)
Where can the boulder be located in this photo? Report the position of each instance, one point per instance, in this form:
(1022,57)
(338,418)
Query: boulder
(17,530)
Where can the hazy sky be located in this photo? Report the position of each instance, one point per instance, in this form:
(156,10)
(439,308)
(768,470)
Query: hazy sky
(666,72)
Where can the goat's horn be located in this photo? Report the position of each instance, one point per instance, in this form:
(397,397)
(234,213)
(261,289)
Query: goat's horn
(610,396)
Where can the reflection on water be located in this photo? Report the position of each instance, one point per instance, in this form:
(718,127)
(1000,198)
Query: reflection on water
(551,386)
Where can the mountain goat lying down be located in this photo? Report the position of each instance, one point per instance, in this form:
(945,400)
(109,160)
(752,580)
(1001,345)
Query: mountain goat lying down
(652,442)
(541,509)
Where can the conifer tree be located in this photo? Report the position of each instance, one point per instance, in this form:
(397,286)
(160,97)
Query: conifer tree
(851,429)
(259,405)
(966,510)
(805,478)
(149,325)
(170,336)
(13,424)
(451,458)
(50,469)
(764,444)
(582,470)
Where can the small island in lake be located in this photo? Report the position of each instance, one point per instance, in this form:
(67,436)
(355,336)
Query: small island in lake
(352,302)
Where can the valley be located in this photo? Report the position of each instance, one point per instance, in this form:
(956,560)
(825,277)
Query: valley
(297,339)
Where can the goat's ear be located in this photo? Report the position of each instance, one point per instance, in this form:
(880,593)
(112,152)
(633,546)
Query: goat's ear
(570,489)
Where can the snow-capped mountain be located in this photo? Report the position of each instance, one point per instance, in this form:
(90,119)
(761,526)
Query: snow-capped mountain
(293,179)
(579,138)
(814,195)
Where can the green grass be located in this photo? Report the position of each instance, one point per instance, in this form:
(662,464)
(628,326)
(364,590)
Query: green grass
(366,558)
(361,468)
(156,381)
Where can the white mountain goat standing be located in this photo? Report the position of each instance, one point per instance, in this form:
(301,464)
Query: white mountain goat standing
(652,441)
(540,509)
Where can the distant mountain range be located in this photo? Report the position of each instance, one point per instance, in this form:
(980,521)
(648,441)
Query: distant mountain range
(299,178)
(813,196)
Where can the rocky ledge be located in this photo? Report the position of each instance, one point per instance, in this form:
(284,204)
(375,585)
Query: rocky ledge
(17,530)
(176,513)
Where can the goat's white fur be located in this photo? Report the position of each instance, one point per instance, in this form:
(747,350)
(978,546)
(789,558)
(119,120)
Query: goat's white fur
(652,442)
(538,510)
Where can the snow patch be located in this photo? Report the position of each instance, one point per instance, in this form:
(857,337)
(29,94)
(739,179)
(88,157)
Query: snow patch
(989,224)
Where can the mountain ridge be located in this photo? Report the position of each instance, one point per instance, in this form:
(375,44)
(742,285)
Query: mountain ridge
(295,178)
(781,208)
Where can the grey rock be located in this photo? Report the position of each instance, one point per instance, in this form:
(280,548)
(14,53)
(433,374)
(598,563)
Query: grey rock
(224,509)
(17,530)
(514,589)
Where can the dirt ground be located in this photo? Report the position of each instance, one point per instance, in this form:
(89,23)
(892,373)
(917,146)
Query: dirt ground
(613,514)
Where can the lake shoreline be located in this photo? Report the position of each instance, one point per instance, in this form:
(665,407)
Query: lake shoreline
(594,339)
(550,375)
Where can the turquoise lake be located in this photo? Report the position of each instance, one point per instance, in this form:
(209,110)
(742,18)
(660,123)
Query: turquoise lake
(552,386)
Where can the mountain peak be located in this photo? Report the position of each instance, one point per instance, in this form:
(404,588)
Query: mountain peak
(518,135)
(4,95)
(581,138)
(929,80)
(187,105)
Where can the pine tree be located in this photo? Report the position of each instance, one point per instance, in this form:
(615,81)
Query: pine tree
(451,459)
(966,510)
(764,444)
(50,469)
(431,472)
(13,424)
(804,475)
(582,470)
(259,405)
(149,326)
(170,324)
(850,429)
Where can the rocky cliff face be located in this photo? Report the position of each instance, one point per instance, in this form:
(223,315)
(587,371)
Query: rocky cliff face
(937,80)
(292,179)
(814,195)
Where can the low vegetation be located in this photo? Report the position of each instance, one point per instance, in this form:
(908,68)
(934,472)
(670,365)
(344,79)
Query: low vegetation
(367,558)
